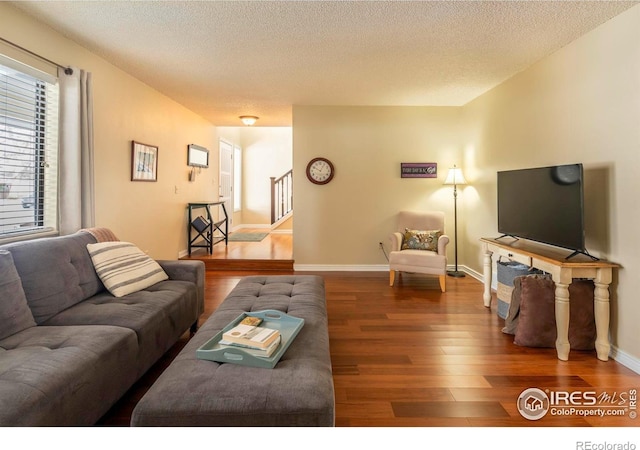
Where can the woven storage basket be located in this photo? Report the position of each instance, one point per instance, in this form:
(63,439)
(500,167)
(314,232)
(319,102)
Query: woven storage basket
(507,271)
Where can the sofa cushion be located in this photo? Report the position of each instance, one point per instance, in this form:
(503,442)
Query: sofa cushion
(416,258)
(64,376)
(421,239)
(124,268)
(56,272)
(158,315)
(15,314)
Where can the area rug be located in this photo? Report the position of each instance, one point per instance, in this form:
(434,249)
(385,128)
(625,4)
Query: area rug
(247,237)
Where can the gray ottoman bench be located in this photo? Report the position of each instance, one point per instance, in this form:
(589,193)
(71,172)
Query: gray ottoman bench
(298,391)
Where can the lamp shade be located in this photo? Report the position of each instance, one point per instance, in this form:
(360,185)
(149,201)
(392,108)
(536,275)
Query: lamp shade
(248,120)
(455,176)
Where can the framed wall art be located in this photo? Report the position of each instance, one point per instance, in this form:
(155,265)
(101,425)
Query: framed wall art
(197,156)
(144,162)
(418,170)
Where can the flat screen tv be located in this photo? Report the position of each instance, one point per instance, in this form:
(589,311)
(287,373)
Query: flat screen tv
(543,204)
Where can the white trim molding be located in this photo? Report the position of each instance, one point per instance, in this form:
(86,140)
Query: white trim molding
(286,231)
(627,360)
(264,226)
(340,268)
(367,268)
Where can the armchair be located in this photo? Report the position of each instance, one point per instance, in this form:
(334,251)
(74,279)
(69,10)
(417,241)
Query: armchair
(422,253)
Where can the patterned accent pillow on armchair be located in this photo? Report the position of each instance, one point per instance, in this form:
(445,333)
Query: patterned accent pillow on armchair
(421,239)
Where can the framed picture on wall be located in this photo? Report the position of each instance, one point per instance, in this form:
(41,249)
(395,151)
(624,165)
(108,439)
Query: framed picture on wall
(144,162)
(418,170)
(197,156)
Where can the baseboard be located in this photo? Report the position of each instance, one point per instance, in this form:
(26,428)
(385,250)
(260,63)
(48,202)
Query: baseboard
(630,362)
(276,231)
(472,273)
(368,268)
(265,226)
(340,268)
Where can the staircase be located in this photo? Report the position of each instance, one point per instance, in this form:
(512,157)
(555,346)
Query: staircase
(281,197)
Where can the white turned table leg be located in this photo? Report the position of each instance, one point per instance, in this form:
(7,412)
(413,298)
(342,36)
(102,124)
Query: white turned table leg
(562,320)
(602,313)
(486,296)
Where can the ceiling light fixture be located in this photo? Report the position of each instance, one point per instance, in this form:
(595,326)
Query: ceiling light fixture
(249,120)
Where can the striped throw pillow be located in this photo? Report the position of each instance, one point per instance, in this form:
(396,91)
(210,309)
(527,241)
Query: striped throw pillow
(124,268)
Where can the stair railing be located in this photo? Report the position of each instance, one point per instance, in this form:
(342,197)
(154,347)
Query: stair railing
(281,196)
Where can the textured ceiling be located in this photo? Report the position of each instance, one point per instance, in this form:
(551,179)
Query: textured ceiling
(223,59)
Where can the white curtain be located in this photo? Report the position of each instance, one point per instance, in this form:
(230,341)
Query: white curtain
(76,178)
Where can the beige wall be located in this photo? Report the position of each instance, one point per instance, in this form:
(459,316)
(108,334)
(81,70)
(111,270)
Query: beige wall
(341,223)
(581,104)
(266,152)
(152,215)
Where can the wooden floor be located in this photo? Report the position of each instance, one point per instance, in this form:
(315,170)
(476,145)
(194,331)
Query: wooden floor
(274,252)
(411,356)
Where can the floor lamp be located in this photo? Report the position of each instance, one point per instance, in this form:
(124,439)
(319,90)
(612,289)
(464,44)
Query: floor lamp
(455,177)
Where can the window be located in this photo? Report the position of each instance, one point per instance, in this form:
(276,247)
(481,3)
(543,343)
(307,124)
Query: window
(28,150)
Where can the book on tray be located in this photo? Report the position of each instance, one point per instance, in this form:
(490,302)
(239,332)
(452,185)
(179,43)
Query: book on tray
(259,352)
(249,334)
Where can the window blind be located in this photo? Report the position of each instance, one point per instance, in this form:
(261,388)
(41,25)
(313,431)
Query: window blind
(28,152)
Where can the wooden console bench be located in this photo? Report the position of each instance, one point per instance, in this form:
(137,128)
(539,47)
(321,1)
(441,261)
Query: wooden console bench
(202,233)
(563,271)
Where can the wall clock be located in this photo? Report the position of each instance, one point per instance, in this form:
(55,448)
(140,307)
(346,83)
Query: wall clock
(320,170)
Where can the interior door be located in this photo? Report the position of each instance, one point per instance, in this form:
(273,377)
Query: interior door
(226,178)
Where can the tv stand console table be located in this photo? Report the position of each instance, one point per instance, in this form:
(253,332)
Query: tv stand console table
(563,271)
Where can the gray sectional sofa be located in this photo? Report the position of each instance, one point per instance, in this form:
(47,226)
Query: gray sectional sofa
(69,349)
